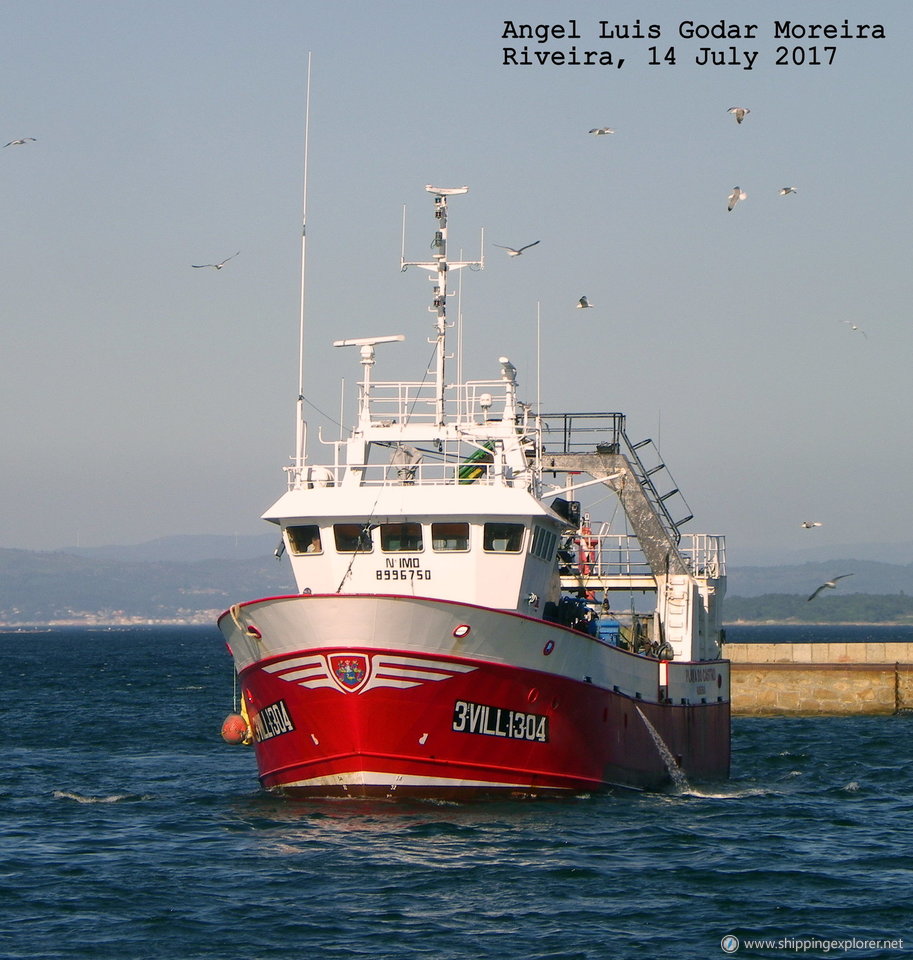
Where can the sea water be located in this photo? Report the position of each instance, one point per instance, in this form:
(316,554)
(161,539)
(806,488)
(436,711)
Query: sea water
(128,829)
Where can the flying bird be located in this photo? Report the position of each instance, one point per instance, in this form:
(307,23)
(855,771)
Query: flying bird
(516,251)
(829,585)
(854,328)
(601,131)
(216,266)
(785,190)
(808,524)
(19,143)
(584,304)
(739,113)
(734,197)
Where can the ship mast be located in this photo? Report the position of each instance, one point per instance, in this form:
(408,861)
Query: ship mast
(300,422)
(441,266)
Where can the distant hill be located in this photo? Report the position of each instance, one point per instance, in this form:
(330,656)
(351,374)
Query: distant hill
(830,608)
(193,578)
(869,576)
(185,549)
(46,587)
(900,552)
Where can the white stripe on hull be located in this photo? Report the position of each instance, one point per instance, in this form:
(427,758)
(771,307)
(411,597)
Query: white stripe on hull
(371,778)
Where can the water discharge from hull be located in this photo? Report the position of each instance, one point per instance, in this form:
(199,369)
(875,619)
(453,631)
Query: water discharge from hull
(679,780)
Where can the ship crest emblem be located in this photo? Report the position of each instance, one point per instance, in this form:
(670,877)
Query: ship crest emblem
(359,672)
(350,670)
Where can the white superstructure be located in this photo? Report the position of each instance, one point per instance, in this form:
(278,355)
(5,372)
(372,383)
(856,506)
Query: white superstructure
(461,492)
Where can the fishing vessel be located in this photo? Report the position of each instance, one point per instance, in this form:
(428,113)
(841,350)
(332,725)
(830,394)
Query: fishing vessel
(454,632)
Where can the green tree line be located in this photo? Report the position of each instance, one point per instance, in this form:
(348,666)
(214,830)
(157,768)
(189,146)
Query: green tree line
(845,608)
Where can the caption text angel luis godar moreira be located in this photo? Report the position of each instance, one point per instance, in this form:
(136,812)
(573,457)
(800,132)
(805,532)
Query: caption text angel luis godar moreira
(704,44)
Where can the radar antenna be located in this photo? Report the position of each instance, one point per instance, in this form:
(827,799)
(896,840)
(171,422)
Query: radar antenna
(441,266)
(367,345)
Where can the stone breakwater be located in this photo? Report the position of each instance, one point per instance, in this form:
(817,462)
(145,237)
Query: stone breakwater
(820,679)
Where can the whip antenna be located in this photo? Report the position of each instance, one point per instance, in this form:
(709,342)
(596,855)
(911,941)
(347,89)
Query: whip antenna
(300,425)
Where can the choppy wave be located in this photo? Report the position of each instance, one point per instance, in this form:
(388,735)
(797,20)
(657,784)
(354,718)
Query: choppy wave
(143,834)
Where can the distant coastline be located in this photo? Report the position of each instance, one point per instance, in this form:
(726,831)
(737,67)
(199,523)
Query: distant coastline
(209,618)
(189,580)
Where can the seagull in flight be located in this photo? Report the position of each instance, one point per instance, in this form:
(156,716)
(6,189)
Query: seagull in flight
(808,524)
(601,131)
(584,304)
(854,328)
(19,143)
(216,266)
(737,194)
(739,113)
(786,190)
(515,251)
(829,584)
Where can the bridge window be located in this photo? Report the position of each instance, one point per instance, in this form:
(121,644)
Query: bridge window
(503,537)
(450,536)
(352,537)
(304,539)
(400,537)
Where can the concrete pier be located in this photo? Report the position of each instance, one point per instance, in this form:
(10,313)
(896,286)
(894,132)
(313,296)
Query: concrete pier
(820,679)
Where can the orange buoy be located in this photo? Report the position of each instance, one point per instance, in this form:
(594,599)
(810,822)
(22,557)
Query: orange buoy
(234,729)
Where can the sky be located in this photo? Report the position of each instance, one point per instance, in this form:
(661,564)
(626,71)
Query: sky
(141,398)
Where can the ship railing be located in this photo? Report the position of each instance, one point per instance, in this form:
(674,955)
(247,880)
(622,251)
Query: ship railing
(423,473)
(581,432)
(406,401)
(618,556)
(604,556)
(605,433)
(705,554)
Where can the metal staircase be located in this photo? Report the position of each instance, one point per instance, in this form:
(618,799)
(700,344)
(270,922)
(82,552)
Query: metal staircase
(575,433)
(655,478)
(687,572)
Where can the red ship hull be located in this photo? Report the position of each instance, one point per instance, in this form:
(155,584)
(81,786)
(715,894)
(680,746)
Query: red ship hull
(454,715)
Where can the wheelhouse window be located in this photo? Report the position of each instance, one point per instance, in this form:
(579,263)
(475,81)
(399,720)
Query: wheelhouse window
(450,536)
(543,545)
(400,537)
(352,538)
(304,538)
(503,537)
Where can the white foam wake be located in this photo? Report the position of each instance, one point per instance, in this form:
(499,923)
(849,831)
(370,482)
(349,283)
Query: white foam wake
(80,798)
